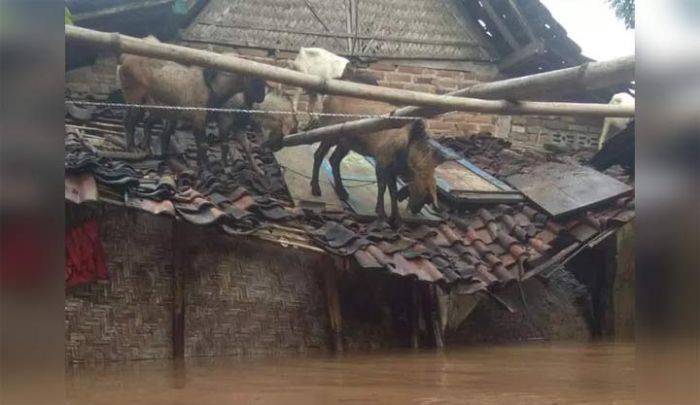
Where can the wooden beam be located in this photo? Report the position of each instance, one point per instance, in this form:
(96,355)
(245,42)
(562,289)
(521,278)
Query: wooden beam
(229,63)
(330,278)
(414,313)
(586,77)
(500,25)
(522,20)
(179,246)
(528,51)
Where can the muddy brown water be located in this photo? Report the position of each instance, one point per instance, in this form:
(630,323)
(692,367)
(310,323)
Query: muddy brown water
(535,373)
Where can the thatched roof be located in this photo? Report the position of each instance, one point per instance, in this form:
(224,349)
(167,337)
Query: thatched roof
(416,29)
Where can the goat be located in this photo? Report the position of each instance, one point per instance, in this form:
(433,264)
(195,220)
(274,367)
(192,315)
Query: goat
(317,62)
(403,152)
(611,126)
(272,126)
(156,82)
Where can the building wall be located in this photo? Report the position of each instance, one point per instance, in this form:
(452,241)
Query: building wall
(130,316)
(245,296)
(99,80)
(241,297)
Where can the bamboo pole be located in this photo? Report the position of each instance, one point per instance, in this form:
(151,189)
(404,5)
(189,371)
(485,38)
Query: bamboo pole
(228,63)
(587,77)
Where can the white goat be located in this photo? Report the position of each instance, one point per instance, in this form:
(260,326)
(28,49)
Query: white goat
(317,62)
(612,126)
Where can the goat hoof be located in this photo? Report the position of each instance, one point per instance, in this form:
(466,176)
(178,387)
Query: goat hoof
(343,195)
(316,190)
(395,222)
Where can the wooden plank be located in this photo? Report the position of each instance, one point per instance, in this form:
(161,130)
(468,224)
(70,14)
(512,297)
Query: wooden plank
(527,52)
(297,164)
(561,189)
(500,25)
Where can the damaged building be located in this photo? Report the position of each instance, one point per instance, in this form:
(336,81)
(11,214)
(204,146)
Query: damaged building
(166,261)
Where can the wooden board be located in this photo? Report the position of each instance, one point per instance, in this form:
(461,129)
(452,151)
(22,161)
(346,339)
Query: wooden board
(561,189)
(463,182)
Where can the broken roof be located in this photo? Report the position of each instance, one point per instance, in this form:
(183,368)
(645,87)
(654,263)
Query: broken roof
(474,248)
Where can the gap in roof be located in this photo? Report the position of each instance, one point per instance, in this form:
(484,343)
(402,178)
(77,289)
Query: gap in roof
(594,27)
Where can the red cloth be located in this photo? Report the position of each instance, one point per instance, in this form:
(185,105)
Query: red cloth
(85,256)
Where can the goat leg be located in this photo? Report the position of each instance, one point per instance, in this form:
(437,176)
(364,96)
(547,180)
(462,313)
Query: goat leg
(165,137)
(147,131)
(319,155)
(338,154)
(381,189)
(198,130)
(131,118)
(395,218)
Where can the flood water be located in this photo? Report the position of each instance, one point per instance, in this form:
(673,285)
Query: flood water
(535,373)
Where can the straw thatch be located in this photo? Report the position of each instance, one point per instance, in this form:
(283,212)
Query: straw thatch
(384,28)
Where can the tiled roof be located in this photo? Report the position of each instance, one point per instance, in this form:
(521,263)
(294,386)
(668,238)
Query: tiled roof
(477,249)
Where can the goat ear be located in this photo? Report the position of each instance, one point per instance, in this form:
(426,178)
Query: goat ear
(209,75)
(418,132)
(255,91)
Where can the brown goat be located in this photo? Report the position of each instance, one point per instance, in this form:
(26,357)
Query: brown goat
(272,126)
(403,152)
(157,82)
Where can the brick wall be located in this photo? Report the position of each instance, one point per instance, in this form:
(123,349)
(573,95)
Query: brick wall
(97,80)
(100,79)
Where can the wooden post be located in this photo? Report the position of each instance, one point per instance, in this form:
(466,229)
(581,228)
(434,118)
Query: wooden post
(179,245)
(415,311)
(334,311)
(435,317)
(230,63)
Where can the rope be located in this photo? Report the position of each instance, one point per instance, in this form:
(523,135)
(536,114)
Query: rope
(362,182)
(235,110)
(521,272)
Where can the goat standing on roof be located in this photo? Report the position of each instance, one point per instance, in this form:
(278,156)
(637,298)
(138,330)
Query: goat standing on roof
(611,126)
(317,62)
(157,82)
(406,152)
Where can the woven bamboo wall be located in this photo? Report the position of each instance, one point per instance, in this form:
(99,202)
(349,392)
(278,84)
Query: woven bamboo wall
(241,297)
(248,297)
(130,316)
(438,29)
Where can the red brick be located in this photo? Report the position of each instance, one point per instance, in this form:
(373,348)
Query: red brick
(448,73)
(393,85)
(410,69)
(463,84)
(487,128)
(440,125)
(469,76)
(425,88)
(467,128)
(422,79)
(383,66)
(398,77)
(446,83)
(261,53)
